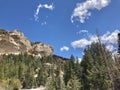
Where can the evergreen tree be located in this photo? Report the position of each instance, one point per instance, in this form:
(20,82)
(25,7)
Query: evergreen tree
(50,84)
(97,68)
(73,83)
(86,65)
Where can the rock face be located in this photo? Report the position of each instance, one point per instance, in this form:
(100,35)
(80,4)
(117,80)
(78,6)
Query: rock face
(42,49)
(15,43)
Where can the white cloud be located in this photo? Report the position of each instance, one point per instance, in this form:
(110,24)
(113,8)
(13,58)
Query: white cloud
(43,23)
(64,48)
(50,7)
(80,43)
(40,6)
(108,38)
(82,10)
(110,47)
(79,60)
(82,31)
(93,38)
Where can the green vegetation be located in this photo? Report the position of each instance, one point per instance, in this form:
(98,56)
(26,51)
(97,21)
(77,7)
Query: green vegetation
(97,71)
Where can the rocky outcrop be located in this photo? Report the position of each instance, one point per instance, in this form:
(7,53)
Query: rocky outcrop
(42,49)
(15,43)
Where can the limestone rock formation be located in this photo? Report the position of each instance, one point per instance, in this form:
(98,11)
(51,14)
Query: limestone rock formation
(15,43)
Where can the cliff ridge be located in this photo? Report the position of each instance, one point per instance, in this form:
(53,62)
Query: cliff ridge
(16,43)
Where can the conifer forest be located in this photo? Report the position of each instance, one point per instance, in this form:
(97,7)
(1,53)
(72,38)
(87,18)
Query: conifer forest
(98,70)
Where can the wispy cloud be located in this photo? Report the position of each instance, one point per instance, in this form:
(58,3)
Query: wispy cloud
(64,48)
(82,10)
(43,23)
(108,38)
(40,6)
(82,31)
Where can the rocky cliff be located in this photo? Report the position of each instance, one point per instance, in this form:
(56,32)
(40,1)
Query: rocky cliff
(15,43)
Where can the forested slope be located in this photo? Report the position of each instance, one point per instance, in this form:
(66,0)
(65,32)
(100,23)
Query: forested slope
(97,71)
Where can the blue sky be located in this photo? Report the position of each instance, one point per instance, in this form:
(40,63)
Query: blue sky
(67,25)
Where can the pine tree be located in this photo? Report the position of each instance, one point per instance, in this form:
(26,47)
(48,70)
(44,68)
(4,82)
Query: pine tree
(73,83)
(87,66)
(97,68)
